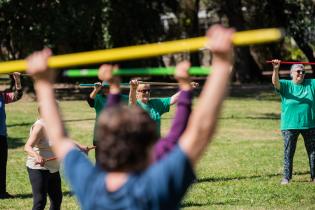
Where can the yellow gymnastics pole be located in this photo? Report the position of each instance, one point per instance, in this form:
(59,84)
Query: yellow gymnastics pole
(148,50)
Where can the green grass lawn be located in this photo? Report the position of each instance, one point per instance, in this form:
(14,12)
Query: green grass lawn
(240,170)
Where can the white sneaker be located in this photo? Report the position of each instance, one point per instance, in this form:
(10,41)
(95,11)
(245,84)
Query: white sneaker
(284,181)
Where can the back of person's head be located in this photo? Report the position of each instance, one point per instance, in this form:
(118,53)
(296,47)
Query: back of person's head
(125,137)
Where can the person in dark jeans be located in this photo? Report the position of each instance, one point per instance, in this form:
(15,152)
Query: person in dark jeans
(5,98)
(297,115)
(44,175)
(44,182)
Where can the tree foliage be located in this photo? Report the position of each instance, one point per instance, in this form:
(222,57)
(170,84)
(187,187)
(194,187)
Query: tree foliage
(80,25)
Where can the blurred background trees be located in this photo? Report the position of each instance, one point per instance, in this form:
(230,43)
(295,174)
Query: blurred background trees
(69,26)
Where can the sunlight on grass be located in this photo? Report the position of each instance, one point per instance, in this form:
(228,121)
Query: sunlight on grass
(240,170)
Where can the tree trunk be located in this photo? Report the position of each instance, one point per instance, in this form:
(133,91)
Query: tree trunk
(306,48)
(246,69)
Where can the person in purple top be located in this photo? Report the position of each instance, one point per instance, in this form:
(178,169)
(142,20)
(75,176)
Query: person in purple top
(5,98)
(125,177)
(184,101)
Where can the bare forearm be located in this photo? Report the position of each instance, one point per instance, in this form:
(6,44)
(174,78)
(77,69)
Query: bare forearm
(93,94)
(50,113)
(202,123)
(174,98)
(275,78)
(132,96)
(30,151)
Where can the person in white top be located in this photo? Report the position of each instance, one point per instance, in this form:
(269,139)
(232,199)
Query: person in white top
(43,172)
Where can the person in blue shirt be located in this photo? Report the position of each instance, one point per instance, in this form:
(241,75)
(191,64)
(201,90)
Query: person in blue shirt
(125,177)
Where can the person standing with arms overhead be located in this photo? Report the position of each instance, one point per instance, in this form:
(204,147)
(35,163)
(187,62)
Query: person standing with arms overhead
(183,109)
(140,95)
(297,115)
(125,177)
(97,100)
(5,98)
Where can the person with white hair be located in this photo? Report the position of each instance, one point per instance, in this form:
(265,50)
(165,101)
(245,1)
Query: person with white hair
(297,115)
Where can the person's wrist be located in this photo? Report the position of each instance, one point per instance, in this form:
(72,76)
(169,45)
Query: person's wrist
(40,84)
(18,86)
(185,87)
(222,58)
(114,89)
(226,64)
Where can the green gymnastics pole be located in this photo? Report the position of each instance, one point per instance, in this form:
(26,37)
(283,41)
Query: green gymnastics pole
(195,71)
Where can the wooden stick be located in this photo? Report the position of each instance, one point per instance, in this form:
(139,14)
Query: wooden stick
(148,50)
(160,83)
(140,82)
(294,62)
(155,71)
(54,158)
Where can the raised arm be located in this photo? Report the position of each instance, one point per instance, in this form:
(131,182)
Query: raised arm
(174,98)
(183,110)
(10,97)
(44,78)
(90,99)
(133,92)
(275,73)
(105,73)
(202,123)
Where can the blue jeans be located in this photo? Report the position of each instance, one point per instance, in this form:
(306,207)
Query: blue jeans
(290,138)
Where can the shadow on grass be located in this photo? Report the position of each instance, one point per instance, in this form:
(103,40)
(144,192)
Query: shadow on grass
(15,142)
(20,124)
(267,116)
(196,204)
(26,196)
(220,179)
(78,120)
(31,123)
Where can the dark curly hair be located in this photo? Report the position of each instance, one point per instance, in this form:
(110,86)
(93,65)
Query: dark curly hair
(124,137)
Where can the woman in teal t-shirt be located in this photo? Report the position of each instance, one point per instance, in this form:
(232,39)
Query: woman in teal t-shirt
(140,95)
(297,115)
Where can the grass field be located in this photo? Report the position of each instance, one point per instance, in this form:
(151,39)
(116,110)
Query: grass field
(240,170)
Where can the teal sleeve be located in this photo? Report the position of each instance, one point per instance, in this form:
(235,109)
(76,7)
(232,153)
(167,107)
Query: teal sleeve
(283,87)
(125,99)
(164,105)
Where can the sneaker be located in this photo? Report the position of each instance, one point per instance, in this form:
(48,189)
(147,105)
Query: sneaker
(6,195)
(284,181)
(312,180)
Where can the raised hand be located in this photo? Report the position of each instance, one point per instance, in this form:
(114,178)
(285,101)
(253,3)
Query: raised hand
(37,65)
(105,73)
(276,64)
(182,75)
(134,83)
(97,86)
(220,48)
(17,79)
(194,84)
